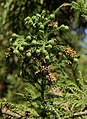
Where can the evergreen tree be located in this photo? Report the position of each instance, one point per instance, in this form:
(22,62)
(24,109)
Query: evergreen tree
(45,63)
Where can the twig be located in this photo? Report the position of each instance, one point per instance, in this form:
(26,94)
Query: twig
(57,10)
(63,5)
(10,113)
(80,113)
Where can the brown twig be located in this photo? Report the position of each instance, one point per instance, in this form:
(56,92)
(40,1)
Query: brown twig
(6,111)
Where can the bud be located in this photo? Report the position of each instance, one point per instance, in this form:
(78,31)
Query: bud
(15,44)
(37,51)
(40,23)
(44,51)
(33,17)
(30,22)
(29,54)
(47,57)
(14,35)
(43,11)
(27,18)
(63,27)
(16,51)
(38,15)
(75,60)
(52,16)
(21,48)
(51,41)
(41,26)
(34,42)
(49,46)
(28,38)
(10,40)
(41,31)
(55,26)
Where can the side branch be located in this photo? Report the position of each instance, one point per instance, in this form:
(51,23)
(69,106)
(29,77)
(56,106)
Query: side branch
(10,113)
(80,113)
(63,5)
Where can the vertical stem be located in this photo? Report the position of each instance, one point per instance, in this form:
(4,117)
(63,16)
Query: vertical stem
(74,70)
(42,92)
(43,113)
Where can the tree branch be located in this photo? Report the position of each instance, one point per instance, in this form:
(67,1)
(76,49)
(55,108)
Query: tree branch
(63,5)
(80,113)
(6,111)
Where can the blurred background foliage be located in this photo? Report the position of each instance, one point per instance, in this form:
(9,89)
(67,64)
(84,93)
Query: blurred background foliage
(12,15)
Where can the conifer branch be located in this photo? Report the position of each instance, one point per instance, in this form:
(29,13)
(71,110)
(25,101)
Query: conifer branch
(63,5)
(6,111)
(80,113)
